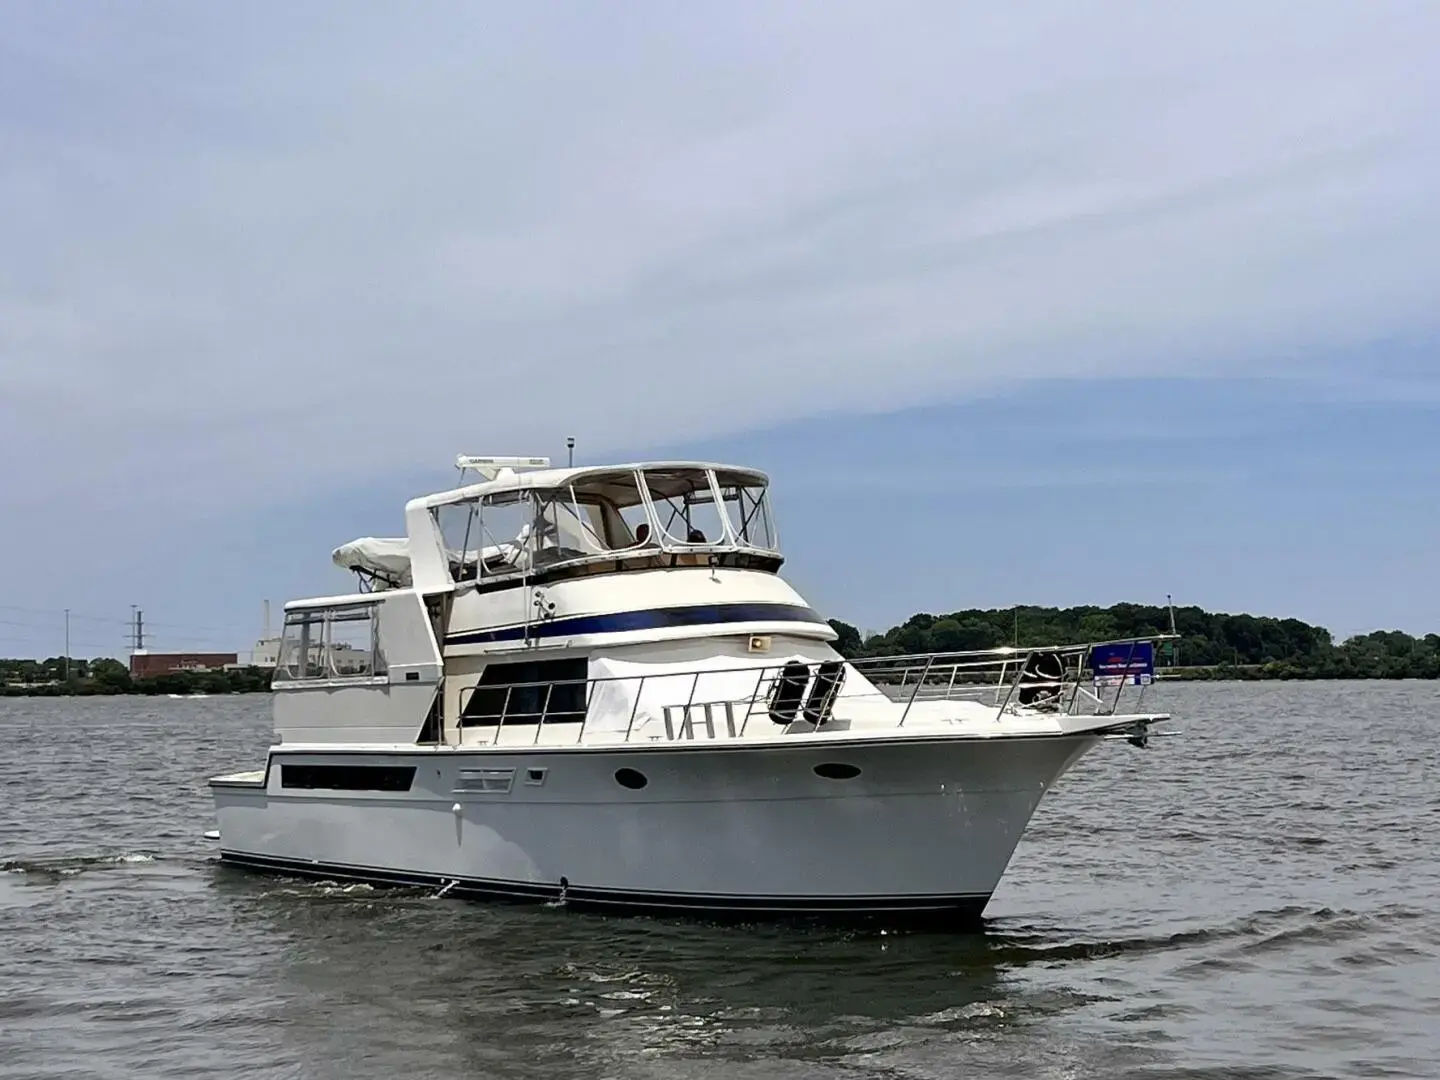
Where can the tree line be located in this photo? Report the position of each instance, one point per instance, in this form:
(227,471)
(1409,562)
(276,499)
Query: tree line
(1209,644)
(53,677)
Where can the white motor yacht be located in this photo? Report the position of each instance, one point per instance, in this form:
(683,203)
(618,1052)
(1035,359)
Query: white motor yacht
(592,685)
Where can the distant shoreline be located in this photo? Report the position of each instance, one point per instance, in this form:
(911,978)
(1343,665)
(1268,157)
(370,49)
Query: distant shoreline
(110,678)
(1163,675)
(1208,647)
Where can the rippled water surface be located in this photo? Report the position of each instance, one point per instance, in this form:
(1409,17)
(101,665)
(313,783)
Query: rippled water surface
(1260,898)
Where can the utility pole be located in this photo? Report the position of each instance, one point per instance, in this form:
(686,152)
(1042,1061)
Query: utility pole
(1174,645)
(67,645)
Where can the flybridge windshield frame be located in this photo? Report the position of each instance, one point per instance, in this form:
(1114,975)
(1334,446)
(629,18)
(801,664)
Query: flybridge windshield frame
(591,517)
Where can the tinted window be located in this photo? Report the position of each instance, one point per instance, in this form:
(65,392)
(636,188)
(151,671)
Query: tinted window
(524,692)
(348,777)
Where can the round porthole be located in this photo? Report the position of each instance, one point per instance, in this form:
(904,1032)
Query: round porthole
(836,770)
(631,779)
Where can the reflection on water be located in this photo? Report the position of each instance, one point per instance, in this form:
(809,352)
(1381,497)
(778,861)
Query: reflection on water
(1253,900)
(583,988)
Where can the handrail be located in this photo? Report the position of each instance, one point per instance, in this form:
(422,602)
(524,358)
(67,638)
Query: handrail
(942,676)
(1021,650)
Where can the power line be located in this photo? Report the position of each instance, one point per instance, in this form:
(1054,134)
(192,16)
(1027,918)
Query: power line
(73,644)
(58,615)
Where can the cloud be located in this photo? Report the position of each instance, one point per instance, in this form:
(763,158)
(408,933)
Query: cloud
(244,249)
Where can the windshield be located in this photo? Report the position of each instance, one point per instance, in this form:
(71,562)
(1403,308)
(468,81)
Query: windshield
(685,506)
(746,503)
(607,513)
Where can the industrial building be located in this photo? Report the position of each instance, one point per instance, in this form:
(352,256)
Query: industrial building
(144,663)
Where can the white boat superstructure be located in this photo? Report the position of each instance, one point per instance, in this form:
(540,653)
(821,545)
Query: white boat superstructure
(592,685)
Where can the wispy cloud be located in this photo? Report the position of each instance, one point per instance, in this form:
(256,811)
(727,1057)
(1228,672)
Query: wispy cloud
(243,247)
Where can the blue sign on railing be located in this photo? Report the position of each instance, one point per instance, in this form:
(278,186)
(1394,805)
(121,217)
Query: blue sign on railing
(1130,662)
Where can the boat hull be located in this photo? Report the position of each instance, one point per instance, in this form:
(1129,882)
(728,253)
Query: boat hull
(900,829)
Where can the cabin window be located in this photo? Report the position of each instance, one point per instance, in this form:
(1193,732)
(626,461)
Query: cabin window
(347,777)
(332,643)
(524,692)
(617,506)
(351,642)
(686,506)
(565,529)
(489,536)
(746,506)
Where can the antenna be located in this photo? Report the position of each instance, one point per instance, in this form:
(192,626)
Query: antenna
(491,466)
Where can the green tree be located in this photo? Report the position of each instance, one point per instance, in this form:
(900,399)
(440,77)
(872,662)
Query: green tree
(848,643)
(111,676)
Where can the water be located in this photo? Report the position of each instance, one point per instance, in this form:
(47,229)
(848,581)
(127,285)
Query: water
(1255,899)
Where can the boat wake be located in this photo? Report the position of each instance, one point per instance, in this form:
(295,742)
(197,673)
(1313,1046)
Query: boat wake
(1244,942)
(72,865)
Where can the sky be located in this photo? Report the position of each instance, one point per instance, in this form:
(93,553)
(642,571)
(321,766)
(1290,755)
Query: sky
(1054,303)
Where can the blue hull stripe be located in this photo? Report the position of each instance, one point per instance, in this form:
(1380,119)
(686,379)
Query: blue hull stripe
(654,619)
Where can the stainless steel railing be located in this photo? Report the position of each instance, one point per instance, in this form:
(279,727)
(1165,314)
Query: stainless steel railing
(1048,678)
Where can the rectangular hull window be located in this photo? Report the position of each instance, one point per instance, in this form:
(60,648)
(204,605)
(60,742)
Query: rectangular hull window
(347,777)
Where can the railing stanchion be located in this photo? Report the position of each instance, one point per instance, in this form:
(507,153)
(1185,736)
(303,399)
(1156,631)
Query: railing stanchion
(504,709)
(636,707)
(1125,675)
(685,725)
(1080,658)
(914,693)
(544,710)
(754,697)
(1019,674)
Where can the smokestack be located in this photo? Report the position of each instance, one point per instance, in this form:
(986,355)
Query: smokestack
(266,635)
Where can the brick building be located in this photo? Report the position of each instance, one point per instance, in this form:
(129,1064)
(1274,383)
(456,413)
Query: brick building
(143,664)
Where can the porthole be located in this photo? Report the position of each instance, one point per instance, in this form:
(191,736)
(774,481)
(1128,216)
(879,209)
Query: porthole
(630,778)
(837,770)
